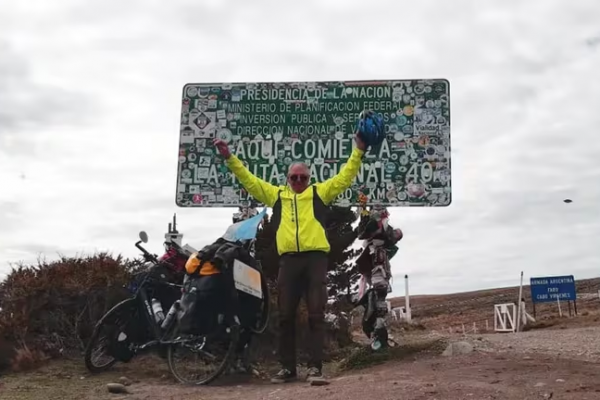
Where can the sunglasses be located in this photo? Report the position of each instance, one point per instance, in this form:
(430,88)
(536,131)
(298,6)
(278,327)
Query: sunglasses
(296,178)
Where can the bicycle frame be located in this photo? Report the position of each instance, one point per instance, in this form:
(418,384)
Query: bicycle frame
(158,334)
(140,295)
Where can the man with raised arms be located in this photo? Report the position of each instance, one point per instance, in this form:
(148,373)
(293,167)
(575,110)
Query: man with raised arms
(299,212)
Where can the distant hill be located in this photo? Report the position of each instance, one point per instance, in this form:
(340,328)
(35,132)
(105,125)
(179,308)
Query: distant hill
(453,310)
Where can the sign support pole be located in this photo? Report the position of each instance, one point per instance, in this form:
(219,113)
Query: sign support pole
(518,322)
(407,300)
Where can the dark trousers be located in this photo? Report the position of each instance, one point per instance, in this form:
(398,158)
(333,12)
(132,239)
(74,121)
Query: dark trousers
(302,274)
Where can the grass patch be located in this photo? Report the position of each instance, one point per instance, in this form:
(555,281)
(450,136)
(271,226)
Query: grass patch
(68,379)
(406,327)
(365,357)
(543,324)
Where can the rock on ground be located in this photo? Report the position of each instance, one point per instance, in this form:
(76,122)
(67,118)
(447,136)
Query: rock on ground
(457,349)
(116,388)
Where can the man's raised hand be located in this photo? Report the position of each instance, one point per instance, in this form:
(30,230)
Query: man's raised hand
(222,148)
(359,142)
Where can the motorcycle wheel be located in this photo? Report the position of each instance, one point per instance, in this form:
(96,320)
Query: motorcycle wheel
(117,316)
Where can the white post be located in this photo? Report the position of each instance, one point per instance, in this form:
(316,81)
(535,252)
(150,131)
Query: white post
(407,300)
(496,316)
(475,328)
(487,325)
(559,310)
(464,332)
(524,316)
(519,304)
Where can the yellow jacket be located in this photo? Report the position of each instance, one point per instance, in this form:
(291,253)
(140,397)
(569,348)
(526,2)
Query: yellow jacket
(299,218)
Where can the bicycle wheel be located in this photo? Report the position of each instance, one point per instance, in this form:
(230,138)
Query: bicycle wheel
(214,349)
(106,332)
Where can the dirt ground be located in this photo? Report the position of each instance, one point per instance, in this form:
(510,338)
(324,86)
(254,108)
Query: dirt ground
(548,364)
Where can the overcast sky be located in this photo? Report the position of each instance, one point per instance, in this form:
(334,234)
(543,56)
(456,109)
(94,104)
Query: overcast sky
(90,95)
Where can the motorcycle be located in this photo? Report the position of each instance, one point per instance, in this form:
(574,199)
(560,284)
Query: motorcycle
(379,246)
(138,323)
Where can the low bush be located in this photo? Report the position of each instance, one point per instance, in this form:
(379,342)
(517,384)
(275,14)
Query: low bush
(49,310)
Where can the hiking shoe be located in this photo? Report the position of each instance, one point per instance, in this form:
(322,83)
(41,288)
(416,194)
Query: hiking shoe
(314,374)
(284,376)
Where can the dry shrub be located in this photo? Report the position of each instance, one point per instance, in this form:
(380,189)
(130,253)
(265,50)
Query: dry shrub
(26,359)
(51,307)
(7,352)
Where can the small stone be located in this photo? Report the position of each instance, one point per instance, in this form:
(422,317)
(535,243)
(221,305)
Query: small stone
(548,396)
(540,384)
(527,358)
(116,388)
(458,348)
(560,380)
(124,381)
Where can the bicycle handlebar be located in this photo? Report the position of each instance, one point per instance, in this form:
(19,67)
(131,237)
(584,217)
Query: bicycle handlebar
(147,255)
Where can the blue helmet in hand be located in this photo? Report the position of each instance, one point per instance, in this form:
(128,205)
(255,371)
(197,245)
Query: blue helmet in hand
(370,128)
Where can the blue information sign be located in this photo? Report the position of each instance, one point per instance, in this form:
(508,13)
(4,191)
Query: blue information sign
(551,288)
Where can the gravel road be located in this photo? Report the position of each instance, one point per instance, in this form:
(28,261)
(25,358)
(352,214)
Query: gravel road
(549,364)
(577,343)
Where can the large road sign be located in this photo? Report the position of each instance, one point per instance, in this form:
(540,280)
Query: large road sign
(271,125)
(551,288)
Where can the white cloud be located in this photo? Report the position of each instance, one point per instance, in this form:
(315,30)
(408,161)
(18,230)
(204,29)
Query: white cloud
(89,112)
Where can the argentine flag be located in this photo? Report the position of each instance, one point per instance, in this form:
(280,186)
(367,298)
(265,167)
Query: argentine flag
(244,230)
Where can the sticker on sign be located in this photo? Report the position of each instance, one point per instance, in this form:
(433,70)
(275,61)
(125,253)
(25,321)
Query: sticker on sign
(271,125)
